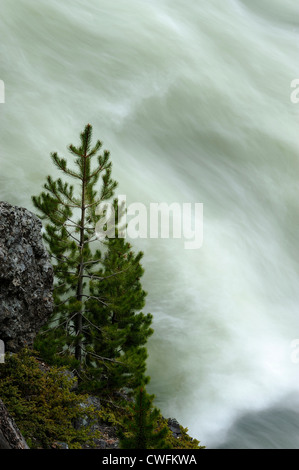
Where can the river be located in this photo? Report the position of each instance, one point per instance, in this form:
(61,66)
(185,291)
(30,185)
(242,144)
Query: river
(193,101)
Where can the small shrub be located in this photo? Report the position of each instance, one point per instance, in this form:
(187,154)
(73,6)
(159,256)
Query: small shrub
(43,404)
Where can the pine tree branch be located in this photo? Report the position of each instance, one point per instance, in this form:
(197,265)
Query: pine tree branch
(72,236)
(67,272)
(90,240)
(97,202)
(93,262)
(65,301)
(91,323)
(58,286)
(64,168)
(93,297)
(92,276)
(67,320)
(102,358)
(51,187)
(62,258)
(95,173)
(67,218)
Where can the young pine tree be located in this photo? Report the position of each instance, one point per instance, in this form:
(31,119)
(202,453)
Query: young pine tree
(142,429)
(95,295)
(70,228)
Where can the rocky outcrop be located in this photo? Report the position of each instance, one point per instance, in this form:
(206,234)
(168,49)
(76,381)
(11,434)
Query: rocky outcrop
(174,427)
(10,436)
(26,277)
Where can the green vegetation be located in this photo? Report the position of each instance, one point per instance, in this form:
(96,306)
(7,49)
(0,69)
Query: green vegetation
(97,330)
(43,404)
(47,410)
(142,425)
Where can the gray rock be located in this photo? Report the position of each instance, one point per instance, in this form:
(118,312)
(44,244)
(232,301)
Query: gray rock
(86,421)
(26,277)
(174,427)
(10,436)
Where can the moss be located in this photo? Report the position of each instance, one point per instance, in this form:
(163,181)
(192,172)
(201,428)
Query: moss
(42,403)
(184,441)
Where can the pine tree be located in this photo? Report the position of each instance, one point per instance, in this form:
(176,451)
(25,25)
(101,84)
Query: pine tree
(71,221)
(124,329)
(142,429)
(96,295)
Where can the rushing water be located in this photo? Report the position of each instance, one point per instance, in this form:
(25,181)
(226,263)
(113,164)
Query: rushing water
(193,101)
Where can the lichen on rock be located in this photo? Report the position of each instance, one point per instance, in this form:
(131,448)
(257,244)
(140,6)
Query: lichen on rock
(26,277)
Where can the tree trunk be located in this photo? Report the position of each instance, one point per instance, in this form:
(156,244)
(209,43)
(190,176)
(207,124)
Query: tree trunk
(79,293)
